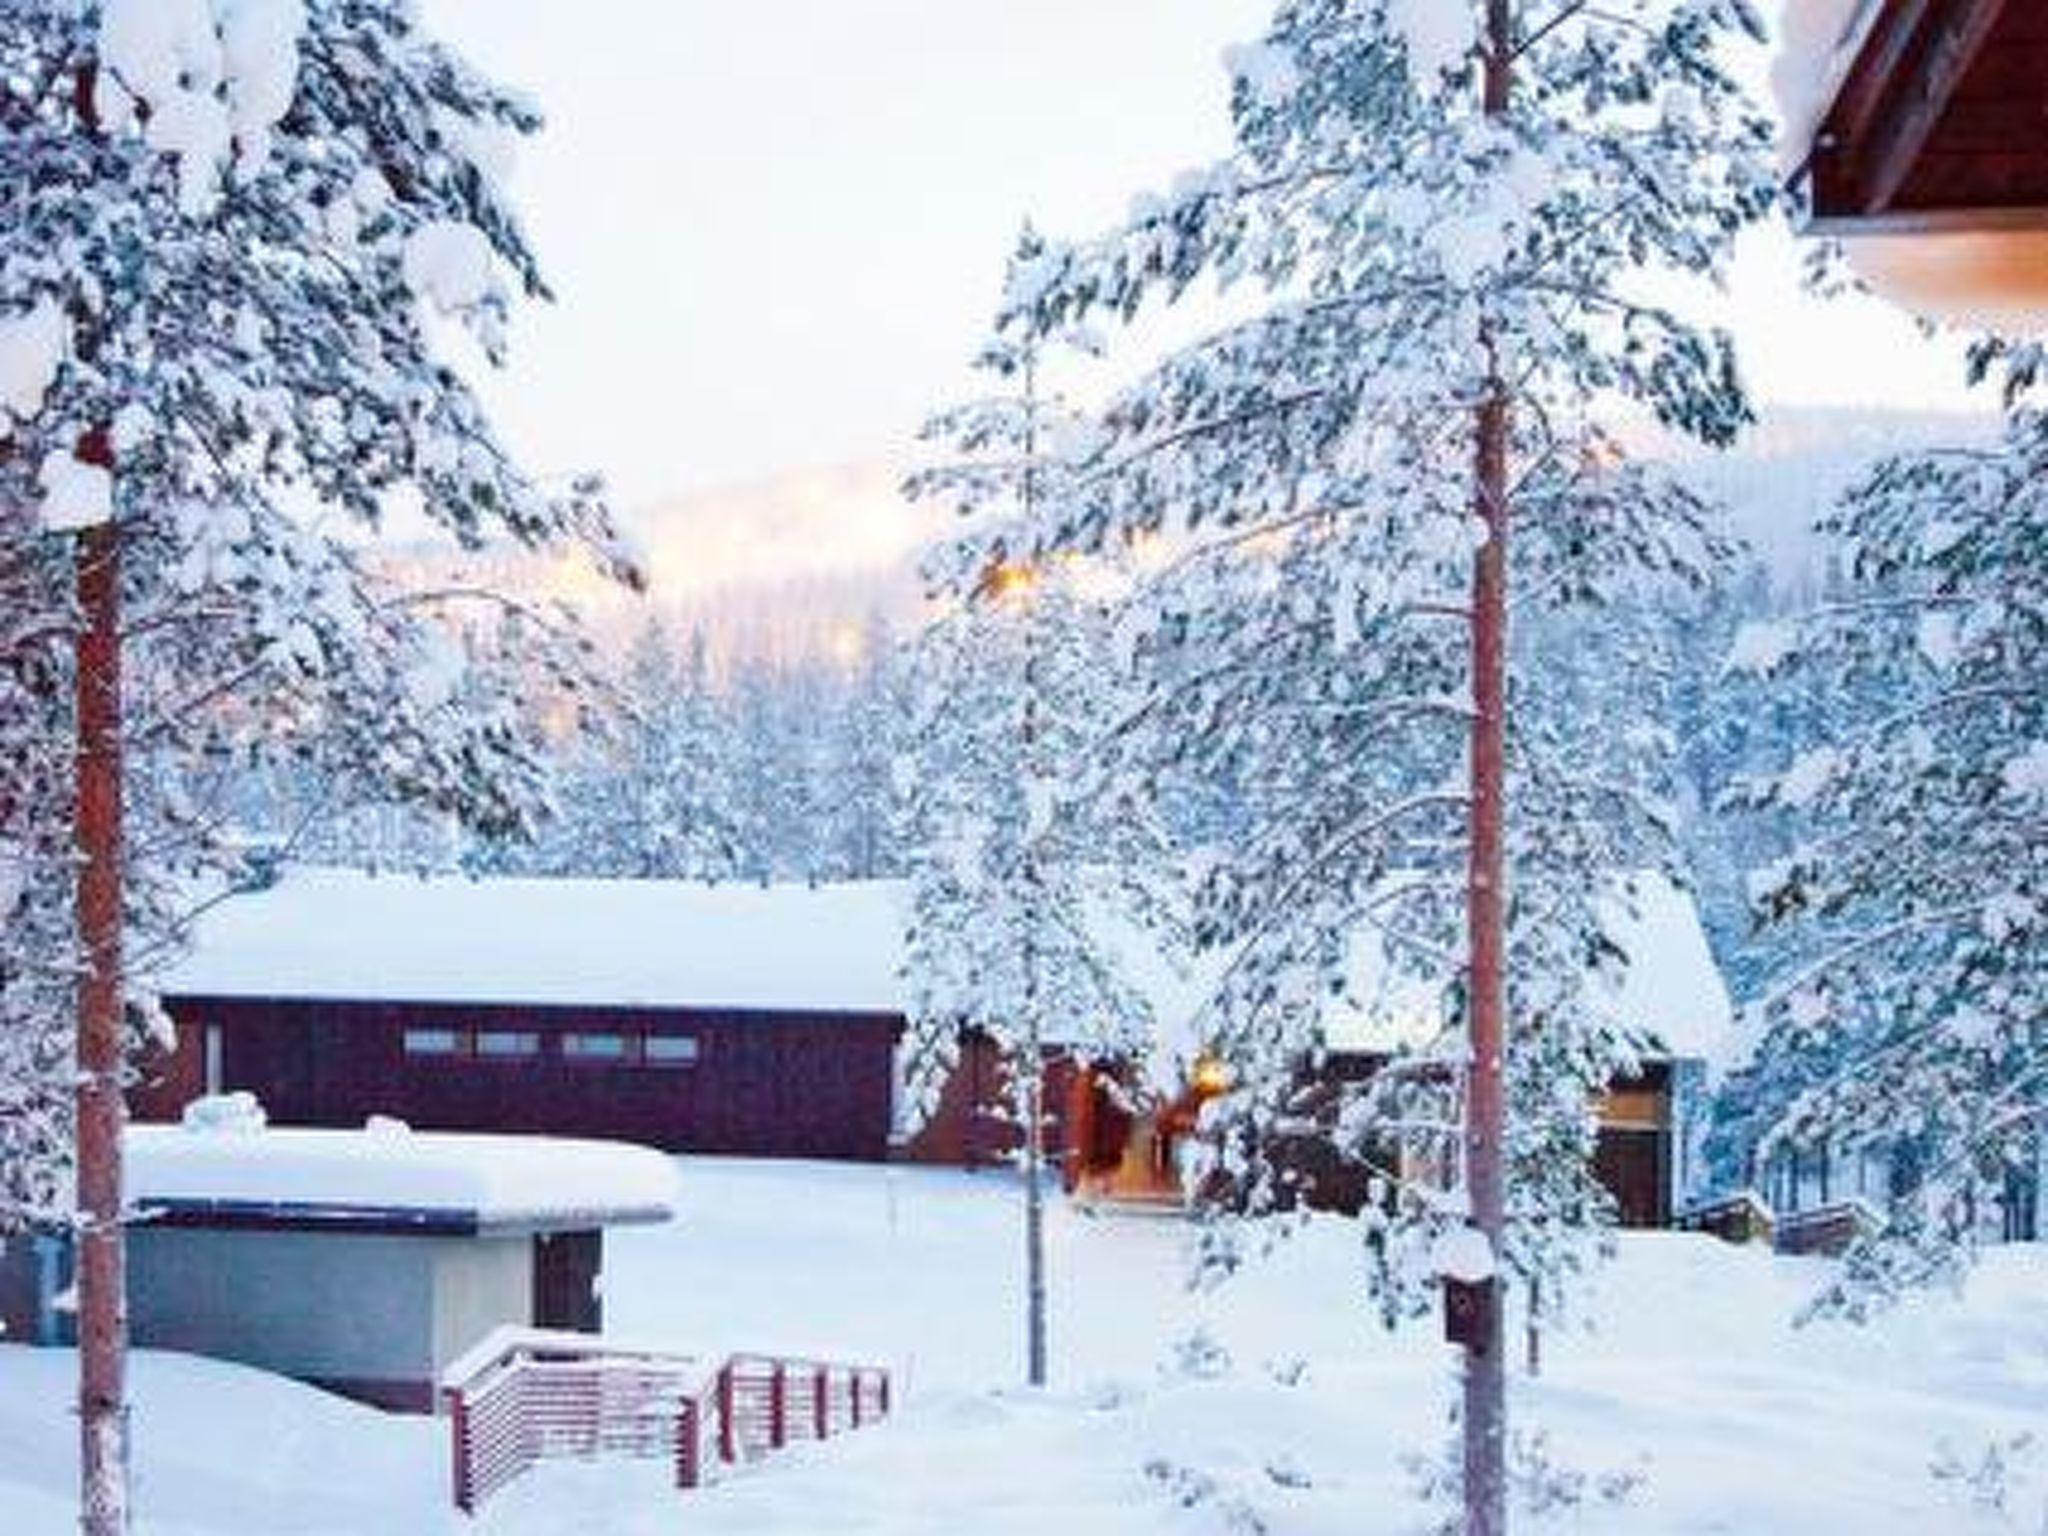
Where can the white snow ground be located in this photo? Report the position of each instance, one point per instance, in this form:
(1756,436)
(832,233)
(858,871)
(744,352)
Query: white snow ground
(1696,1380)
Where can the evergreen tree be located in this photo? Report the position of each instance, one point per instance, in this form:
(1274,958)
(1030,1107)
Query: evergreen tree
(1022,859)
(1910,1015)
(227,233)
(863,724)
(1428,255)
(650,802)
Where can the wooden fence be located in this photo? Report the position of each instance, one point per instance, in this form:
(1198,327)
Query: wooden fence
(1829,1228)
(530,1395)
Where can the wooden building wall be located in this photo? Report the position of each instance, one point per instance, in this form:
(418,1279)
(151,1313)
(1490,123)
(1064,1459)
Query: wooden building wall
(1634,1155)
(765,1085)
(972,1126)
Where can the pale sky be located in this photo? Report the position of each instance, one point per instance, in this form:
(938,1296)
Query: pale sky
(775,227)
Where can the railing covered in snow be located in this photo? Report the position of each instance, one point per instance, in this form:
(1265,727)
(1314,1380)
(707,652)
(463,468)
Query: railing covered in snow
(527,1395)
(1828,1228)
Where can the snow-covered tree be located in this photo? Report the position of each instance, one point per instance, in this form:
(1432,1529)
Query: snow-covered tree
(1450,214)
(232,241)
(857,797)
(768,788)
(1416,254)
(651,801)
(1023,857)
(1912,1017)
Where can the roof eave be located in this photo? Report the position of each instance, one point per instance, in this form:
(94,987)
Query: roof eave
(187,1212)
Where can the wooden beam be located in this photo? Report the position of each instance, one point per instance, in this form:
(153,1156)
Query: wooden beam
(1880,55)
(1910,62)
(1948,45)
(1928,221)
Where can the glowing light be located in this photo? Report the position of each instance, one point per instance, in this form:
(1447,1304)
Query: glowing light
(1005,579)
(847,644)
(1210,1077)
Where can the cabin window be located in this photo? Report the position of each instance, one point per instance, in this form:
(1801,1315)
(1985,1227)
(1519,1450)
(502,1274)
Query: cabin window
(433,1042)
(507,1044)
(598,1047)
(670,1050)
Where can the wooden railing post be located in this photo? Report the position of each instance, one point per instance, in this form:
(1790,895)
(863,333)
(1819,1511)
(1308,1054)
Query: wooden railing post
(515,1410)
(689,1445)
(728,1447)
(462,1468)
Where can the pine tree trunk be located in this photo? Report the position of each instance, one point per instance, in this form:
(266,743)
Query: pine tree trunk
(1034,1222)
(1034,898)
(102,1284)
(1033,1065)
(1484,1416)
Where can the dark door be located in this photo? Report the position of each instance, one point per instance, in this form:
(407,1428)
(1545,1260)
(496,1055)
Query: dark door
(565,1270)
(273,1058)
(1630,1163)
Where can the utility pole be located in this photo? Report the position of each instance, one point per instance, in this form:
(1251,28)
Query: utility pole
(1484,1417)
(101,1113)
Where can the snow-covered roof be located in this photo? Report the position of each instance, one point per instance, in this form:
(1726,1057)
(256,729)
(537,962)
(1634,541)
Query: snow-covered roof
(1671,988)
(831,948)
(394,1178)
(323,933)
(1817,41)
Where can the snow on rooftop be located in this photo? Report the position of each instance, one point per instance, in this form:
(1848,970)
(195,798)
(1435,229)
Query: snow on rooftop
(323,933)
(499,1180)
(829,948)
(1817,42)
(1671,988)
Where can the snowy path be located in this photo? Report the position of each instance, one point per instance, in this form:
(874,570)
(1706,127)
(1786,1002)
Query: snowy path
(1738,1423)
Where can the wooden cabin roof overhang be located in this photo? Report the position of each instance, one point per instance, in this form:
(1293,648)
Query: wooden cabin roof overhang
(1939,122)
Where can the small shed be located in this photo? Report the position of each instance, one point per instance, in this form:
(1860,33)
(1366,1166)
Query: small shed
(364,1261)
(758,1021)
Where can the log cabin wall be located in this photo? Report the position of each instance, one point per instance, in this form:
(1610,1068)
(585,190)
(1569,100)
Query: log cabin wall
(753,1084)
(972,1125)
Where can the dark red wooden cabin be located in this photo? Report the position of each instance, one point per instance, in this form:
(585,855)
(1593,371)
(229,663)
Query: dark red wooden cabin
(686,1080)
(695,1019)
